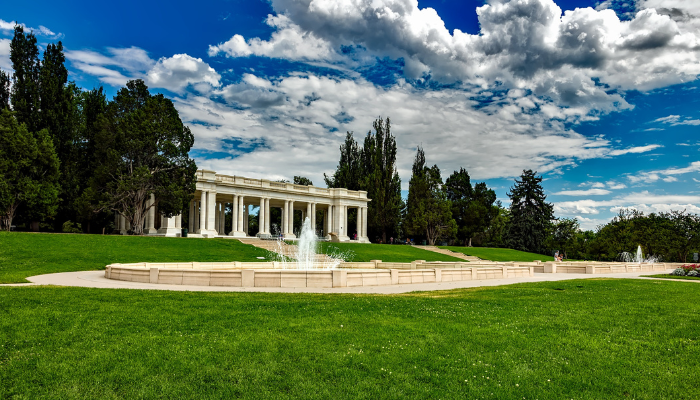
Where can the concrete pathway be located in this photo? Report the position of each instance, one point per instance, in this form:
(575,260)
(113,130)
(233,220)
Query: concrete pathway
(96,279)
(447,252)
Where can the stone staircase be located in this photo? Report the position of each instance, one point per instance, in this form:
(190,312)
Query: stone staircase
(449,253)
(285,249)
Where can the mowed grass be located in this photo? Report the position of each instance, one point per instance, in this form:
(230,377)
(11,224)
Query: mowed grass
(498,254)
(669,276)
(29,254)
(363,252)
(578,339)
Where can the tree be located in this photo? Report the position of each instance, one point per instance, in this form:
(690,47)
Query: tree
(563,236)
(472,207)
(4,90)
(24,55)
(531,215)
(300,180)
(28,172)
(143,149)
(348,173)
(429,211)
(381,181)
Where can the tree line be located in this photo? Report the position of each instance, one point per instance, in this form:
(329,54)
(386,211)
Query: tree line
(70,159)
(459,212)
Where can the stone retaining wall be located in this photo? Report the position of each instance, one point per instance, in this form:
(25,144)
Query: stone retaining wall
(374,273)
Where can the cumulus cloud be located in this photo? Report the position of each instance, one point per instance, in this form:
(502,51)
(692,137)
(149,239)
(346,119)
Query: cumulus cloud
(176,72)
(667,175)
(289,42)
(574,58)
(120,65)
(303,118)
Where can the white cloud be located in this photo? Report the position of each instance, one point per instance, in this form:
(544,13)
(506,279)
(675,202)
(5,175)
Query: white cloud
(180,70)
(8,27)
(589,192)
(288,42)
(524,43)
(675,120)
(667,175)
(302,119)
(643,201)
(5,62)
(635,150)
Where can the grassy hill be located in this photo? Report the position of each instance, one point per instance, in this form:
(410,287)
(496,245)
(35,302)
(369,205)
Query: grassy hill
(498,254)
(29,254)
(363,252)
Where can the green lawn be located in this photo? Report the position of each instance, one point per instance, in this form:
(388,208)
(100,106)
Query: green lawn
(669,276)
(28,254)
(578,339)
(498,254)
(363,252)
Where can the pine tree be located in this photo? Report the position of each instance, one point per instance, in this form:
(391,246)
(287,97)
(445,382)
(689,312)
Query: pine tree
(530,215)
(24,55)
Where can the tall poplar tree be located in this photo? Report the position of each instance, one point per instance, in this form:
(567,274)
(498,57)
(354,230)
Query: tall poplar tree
(4,90)
(530,215)
(348,173)
(381,181)
(24,55)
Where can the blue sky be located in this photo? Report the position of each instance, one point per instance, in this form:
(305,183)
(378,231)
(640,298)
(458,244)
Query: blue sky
(600,97)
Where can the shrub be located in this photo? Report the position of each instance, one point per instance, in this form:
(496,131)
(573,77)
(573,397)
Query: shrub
(678,272)
(690,267)
(70,227)
(693,273)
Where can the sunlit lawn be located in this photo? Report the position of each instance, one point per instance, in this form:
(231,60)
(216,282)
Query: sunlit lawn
(581,339)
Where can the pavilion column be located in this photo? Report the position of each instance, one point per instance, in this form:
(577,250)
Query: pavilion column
(222,223)
(234,215)
(285,219)
(267,216)
(217,221)
(358,223)
(202,212)
(211,211)
(246,223)
(291,217)
(309,208)
(262,222)
(241,202)
(329,219)
(178,221)
(313,217)
(196,216)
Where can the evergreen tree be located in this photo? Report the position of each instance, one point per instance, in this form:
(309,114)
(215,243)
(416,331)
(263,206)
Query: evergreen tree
(429,211)
(381,181)
(24,55)
(530,215)
(143,149)
(348,174)
(4,90)
(472,207)
(28,172)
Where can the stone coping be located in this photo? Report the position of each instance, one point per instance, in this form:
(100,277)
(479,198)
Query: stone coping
(375,273)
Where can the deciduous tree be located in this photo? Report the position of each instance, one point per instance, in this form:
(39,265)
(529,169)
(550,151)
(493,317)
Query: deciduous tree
(143,148)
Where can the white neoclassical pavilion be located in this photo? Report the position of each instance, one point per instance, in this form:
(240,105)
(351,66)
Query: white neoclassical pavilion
(215,191)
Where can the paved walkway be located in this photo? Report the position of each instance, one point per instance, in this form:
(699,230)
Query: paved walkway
(96,279)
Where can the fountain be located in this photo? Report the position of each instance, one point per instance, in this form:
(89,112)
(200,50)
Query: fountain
(305,252)
(638,257)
